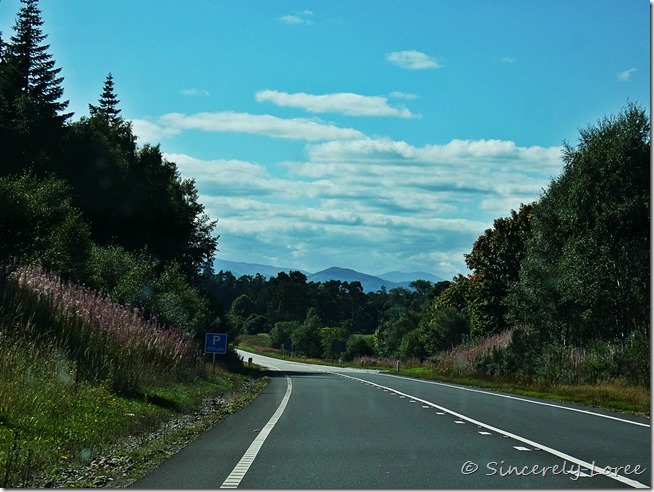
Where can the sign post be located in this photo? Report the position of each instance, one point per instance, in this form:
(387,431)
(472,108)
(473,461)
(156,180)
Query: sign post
(215,343)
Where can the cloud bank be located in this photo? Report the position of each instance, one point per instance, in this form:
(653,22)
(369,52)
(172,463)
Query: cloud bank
(345,103)
(173,124)
(425,204)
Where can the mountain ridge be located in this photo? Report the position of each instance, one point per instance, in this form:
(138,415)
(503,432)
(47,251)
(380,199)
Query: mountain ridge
(370,283)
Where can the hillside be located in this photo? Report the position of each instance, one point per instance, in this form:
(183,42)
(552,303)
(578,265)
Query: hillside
(370,283)
(240,269)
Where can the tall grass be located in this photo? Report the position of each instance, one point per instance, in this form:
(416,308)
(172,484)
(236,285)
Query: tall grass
(107,341)
(65,353)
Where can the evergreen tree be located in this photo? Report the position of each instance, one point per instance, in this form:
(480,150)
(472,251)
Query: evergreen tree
(108,107)
(30,92)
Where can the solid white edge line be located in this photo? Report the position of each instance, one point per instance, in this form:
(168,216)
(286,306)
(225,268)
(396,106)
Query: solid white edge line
(587,412)
(239,471)
(597,471)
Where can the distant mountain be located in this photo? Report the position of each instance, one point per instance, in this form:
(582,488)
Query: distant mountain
(240,269)
(401,277)
(370,283)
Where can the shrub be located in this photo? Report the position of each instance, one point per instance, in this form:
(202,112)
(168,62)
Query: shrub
(38,222)
(633,360)
(359,346)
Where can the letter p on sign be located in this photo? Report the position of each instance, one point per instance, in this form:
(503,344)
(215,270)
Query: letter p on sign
(215,343)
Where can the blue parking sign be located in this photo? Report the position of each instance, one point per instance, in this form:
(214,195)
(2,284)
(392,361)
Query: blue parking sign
(215,343)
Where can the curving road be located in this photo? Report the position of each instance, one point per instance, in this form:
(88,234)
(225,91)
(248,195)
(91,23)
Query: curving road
(328,427)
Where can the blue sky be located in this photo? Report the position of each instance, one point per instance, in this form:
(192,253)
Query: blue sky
(373,135)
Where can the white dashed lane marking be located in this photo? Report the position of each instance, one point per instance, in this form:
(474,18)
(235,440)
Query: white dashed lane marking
(590,467)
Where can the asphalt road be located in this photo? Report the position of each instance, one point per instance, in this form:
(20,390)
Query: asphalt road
(327,427)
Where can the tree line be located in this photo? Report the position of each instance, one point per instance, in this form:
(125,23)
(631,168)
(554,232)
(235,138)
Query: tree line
(566,276)
(567,272)
(84,200)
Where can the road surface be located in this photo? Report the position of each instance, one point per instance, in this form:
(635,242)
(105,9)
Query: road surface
(328,427)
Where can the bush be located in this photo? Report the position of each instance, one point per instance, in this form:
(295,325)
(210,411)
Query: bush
(39,224)
(125,276)
(412,346)
(306,337)
(328,336)
(280,335)
(132,278)
(359,346)
(255,324)
(177,304)
(634,359)
(444,329)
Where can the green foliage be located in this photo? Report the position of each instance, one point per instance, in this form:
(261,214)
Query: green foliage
(457,294)
(586,271)
(359,346)
(495,260)
(390,333)
(412,346)
(243,307)
(442,329)
(289,297)
(280,335)
(255,324)
(39,224)
(633,361)
(136,279)
(327,338)
(108,104)
(178,304)
(306,337)
(126,277)
(30,96)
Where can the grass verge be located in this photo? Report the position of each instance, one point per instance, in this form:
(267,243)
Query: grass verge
(607,395)
(61,433)
(610,396)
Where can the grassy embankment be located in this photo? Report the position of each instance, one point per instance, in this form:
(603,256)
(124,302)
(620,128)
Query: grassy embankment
(458,366)
(79,373)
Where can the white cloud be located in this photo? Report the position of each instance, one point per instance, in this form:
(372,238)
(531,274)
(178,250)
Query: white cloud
(151,132)
(426,204)
(626,75)
(347,103)
(456,152)
(227,121)
(194,92)
(412,60)
(402,95)
(295,20)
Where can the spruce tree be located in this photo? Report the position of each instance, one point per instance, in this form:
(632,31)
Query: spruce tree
(30,90)
(108,107)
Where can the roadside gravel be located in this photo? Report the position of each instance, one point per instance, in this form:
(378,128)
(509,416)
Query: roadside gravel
(134,456)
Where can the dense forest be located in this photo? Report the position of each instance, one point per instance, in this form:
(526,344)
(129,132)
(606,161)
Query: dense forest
(564,280)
